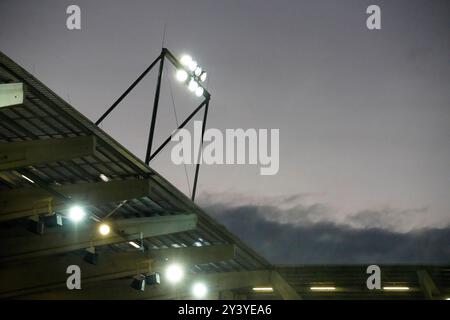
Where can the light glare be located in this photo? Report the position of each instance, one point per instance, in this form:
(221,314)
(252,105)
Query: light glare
(186,60)
(199,290)
(174,273)
(198,71)
(181,75)
(193,85)
(76,213)
(192,65)
(104,229)
(199,91)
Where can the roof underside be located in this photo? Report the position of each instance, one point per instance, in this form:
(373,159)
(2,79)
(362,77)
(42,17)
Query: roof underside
(44,115)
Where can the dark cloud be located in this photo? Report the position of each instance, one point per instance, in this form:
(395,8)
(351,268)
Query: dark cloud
(331,243)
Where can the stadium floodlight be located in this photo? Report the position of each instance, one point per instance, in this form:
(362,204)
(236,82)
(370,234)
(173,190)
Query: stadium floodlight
(396,288)
(192,65)
(193,85)
(76,213)
(263,289)
(174,273)
(104,229)
(199,91)
(198,71)
(199,290)
(322,288)
(194,72)
(181,75)
(186,60)
(203,76)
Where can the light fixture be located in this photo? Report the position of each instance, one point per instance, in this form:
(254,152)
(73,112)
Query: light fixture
(153,279)
(186,60)
(193,85)
(203,76)
(447,298)
(199,290)
(194,71)
(54,220)
(192,65)
(76,213)
(104,229)
(104,177)
(396,288)
(263,289)
(174,273)
(26,178)
(198,71)
(199,91)
(322,288)
(134,244)
(181,75)
(138,282)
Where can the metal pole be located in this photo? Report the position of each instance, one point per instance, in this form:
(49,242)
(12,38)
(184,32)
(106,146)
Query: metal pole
(155,107)
(197,168)
(114,105)
(180,127)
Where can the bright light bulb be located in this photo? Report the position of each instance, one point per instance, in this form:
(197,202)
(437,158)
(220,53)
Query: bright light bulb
(181,75)
(186,60)
(198,71)
(174,273)
(192,65)
(323,288)
(193,85)
(199,290)
(203,76)
(396,288)
(134,244)
(76,213)
(263,289)
(104,177)
(199,91)
(104,229)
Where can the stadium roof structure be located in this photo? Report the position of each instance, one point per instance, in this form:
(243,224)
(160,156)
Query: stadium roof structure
(348,282)
(51,156)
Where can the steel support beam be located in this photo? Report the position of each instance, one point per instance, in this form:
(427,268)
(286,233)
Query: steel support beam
(120,289)
(427,285)
(71,239)
(21,154)
(283,288)
(155,107)
(20,203)
(200,151)
(11,94)
(43,274)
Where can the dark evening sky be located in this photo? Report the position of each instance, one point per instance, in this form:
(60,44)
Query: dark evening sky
(364,116)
